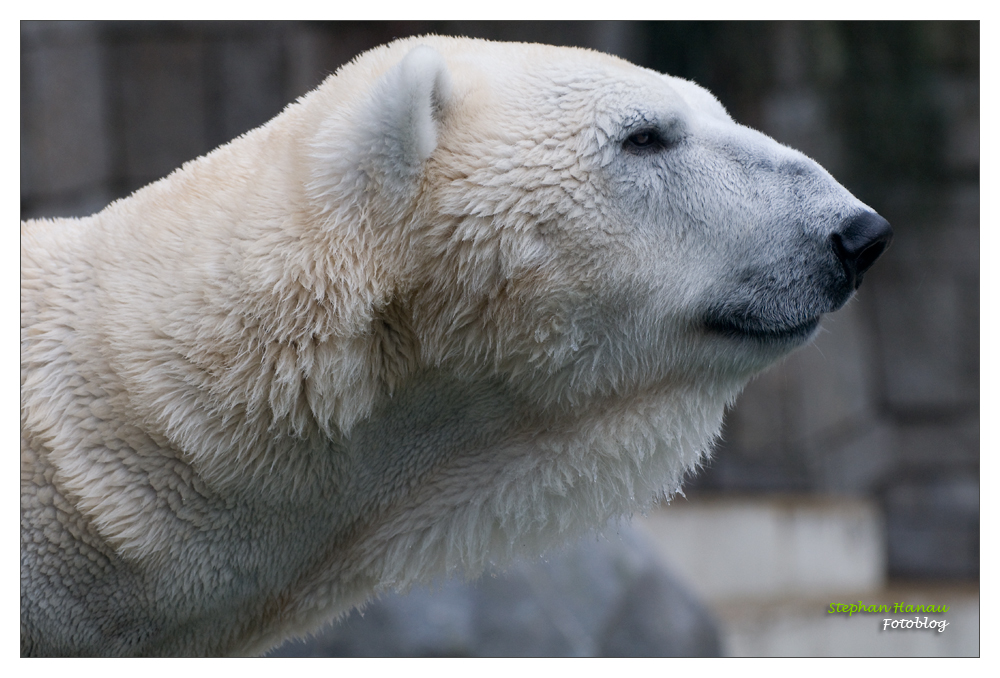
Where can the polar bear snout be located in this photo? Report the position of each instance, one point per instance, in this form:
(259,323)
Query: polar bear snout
(859,243)
(781,302)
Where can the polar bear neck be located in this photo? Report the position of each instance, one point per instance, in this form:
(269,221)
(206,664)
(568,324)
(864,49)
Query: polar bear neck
(495,487)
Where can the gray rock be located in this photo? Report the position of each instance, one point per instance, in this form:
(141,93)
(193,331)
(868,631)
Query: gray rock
(933,527)
(601,597)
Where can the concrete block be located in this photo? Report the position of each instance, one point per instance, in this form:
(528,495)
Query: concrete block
(963,224)
(37,33)
(621,38)
(798,117)
(832,390)
(957,97)
(163,106)
(756,425)
(924,332)
(933,527)
(857,466)
(789,53)
(64,124)
(731,470)
(73,205)
(251,87)
(951,44)
(926,445)
(803,627)
(756,549)
(316,52)
(938,228)
(307,64)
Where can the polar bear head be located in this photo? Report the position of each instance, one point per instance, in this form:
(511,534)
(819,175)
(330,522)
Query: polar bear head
(583,227)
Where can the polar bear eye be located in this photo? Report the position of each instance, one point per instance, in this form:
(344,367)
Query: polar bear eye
(644,141)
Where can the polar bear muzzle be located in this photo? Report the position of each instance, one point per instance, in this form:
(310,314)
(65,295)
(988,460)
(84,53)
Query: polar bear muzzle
(778,307)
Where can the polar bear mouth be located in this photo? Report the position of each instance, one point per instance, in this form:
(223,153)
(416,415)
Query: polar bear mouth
(742,326)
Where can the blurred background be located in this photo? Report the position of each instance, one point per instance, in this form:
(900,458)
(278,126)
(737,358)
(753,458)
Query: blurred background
(849,472)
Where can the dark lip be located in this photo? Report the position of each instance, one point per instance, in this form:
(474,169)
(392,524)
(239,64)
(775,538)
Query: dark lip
(743,329)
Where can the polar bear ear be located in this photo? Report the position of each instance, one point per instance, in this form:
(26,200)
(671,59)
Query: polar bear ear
(405,109)
(374,156)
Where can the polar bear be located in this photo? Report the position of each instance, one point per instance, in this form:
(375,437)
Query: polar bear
(464,300)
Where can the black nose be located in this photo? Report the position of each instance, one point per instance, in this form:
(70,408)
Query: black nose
(859,242)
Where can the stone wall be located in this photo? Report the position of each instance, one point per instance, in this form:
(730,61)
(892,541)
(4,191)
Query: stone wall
(885,403)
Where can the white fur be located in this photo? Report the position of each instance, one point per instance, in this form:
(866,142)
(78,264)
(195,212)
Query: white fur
(433,315)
